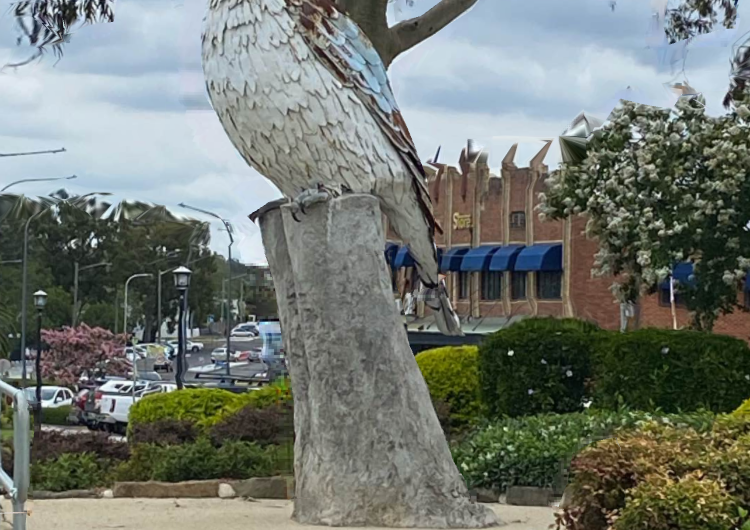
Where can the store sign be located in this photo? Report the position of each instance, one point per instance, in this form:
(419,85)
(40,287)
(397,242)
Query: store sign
(461,222)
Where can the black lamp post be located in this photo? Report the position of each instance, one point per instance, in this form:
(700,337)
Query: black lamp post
(40,300)
(182,283)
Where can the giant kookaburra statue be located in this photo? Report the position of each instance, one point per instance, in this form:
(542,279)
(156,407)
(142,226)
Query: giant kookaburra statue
(305,99)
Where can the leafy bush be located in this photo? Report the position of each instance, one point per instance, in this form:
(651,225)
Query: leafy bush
(671,370)
(196,461)
(69,472)
(264,426)
(201,406)
(744,409)
(537,365)
(56,416)
(452,376)
(50,445)
(689,503)
(537,450)
(164,432)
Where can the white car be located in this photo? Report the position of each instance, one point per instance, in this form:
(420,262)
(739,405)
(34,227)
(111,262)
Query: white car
(189,345)
(245,330)
(52,396)
(219,355)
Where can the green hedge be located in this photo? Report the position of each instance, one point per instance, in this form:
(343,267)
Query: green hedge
(56,416)
(536,366)
(671,370)
(452,377)
(537,450)
(200,460)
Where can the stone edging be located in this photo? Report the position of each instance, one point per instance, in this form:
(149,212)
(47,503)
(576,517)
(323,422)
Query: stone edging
(254,488)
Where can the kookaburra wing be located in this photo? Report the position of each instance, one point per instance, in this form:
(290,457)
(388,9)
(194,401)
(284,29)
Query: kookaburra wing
(305,99)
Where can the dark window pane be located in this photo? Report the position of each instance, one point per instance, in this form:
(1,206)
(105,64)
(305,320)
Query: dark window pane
(492,285)
(549,285)
(463,285)
(518,286)
(518,220)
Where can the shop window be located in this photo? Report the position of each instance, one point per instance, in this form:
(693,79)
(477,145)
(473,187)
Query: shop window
(518,286)
(549,285)
(464,284)
(518,220)
(492,285)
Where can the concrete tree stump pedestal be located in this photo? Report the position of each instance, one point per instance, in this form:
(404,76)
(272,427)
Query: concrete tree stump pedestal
(369,450)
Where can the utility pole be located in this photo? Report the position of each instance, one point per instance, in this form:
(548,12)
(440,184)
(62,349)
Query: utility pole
(76,270)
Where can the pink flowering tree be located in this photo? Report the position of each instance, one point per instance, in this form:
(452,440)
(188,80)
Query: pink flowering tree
(82,351)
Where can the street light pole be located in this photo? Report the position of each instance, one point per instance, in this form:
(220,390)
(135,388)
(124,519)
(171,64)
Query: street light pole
(78,269)
(158,305)
(182,283)
(40,300)
(125,323)
(36,180)
(228,227)
(24,293)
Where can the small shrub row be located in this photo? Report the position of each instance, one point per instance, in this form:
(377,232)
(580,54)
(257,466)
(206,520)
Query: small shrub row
(661,477)
(199,460)
(537,450)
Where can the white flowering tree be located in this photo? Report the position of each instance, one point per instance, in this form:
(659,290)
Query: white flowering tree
(659,187)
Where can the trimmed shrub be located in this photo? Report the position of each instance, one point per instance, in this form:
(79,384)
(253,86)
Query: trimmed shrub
(452,376)
(689,503)
(164,432)
(56,416)
(202,406)
(671,370)
(538,365)
(264,426)
(69,472)
(537,450)
(743,410)
(50,445)
(196,461)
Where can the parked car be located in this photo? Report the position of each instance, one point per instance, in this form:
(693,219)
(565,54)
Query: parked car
(115,408)
(112,386)
(52,396)
(245,330)
(189,345)
(163,362)
(219,355)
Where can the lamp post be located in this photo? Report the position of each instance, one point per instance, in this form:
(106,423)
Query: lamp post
(125,323)
(182,283)
(78,269)
(24,291)
(48,179)
(228,227)
(158,304)
(40,300)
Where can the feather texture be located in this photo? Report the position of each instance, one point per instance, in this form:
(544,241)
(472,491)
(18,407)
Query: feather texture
(305,98)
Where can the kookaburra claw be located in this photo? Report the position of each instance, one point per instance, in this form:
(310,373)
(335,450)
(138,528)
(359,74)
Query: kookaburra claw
(310,197)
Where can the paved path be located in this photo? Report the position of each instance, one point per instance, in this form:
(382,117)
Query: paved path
(200,514)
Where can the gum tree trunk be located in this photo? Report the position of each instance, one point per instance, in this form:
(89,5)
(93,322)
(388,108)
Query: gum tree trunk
(369,449)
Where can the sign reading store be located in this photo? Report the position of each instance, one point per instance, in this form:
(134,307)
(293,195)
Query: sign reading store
(461,222)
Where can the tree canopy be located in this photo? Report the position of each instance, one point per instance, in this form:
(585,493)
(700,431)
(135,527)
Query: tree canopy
(47,24)
(660,187)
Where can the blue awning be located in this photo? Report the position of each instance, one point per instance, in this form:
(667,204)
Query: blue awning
(541,257)
(452,259)
(682,273)
(505,258)
(478,259)
(390,253)
(403,259)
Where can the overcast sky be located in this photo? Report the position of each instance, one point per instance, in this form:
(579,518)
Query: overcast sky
(128,100)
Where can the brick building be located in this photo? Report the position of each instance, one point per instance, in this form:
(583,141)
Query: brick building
(502,263)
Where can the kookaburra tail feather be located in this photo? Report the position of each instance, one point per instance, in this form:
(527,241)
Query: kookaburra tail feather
(445,317)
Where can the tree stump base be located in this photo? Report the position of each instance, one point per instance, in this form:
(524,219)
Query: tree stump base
(369,450)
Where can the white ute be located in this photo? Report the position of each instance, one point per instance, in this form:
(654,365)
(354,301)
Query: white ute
(115,408)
